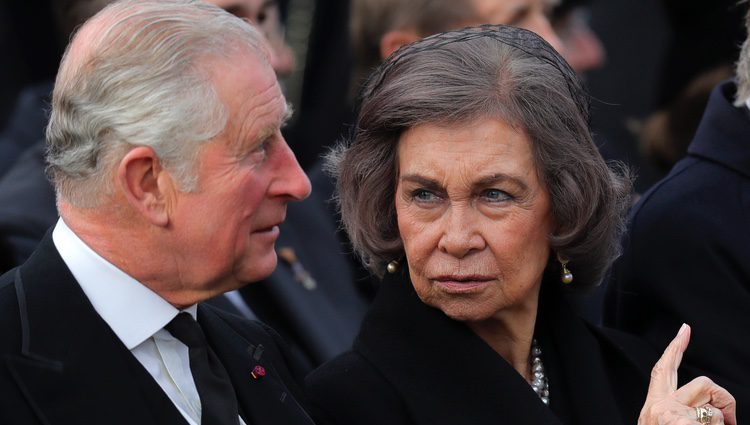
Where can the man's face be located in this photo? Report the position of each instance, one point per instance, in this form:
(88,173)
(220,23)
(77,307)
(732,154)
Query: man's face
(265,15)
(226,230)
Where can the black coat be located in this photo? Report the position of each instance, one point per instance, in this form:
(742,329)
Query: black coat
(411,364)
(687,256)
(62,364)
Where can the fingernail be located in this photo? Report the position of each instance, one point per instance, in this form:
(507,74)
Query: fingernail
(682,329)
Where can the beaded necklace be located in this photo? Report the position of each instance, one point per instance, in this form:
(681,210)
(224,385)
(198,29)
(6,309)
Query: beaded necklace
(539,382)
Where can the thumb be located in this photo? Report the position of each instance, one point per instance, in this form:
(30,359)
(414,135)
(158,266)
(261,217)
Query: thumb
(664,373)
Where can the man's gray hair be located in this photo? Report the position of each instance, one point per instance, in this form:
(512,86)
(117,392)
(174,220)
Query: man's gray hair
(142,78)
(743,67)
(454,78)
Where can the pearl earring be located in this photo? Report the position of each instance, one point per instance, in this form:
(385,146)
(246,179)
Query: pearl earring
(392,267)
(565,275)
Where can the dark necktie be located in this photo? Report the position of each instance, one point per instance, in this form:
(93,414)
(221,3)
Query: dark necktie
(218,401)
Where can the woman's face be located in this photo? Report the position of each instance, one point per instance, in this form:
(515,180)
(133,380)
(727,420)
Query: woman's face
(474,218)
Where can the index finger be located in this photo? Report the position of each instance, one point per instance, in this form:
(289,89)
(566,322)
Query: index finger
(664,374)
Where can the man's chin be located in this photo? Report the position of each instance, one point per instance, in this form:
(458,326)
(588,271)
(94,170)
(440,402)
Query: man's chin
(254,271)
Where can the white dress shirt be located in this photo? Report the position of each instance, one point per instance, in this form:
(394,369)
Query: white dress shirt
(137,316)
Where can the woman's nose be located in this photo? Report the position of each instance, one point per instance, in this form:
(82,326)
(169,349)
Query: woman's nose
(460,235)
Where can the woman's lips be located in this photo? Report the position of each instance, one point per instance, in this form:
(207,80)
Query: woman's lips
(462,284)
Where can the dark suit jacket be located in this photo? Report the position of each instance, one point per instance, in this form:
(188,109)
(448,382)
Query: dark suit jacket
(62,364)
(687,256)
(411,364)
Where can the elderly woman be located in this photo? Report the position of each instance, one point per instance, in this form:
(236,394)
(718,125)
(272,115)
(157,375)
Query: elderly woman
(472,183)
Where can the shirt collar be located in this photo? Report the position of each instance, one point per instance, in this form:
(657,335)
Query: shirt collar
(133,311)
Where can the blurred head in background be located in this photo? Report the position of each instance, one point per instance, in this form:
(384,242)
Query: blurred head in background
(380,27)
(264,14)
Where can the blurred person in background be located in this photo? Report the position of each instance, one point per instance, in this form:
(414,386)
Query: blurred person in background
(581,47)
(686,255)
(703,48)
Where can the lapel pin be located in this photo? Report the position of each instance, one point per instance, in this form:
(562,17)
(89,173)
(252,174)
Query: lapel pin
(300,274)
(258,372)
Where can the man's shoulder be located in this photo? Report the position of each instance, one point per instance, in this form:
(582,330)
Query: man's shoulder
(690,196)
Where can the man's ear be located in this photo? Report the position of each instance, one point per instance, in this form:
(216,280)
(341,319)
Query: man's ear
(146,185)
(392,40)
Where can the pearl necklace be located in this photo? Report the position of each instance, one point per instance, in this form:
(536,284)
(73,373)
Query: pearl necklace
(539,382)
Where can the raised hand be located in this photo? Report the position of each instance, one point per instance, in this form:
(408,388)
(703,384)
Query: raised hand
(700,401)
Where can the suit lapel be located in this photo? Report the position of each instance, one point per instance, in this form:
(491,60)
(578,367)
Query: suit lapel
(72,367)
(264,400)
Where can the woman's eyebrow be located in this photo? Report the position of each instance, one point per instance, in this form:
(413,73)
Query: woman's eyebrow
(499,178)
(421,181)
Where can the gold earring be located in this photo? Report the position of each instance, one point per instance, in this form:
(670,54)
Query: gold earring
(565,275)
(392,267)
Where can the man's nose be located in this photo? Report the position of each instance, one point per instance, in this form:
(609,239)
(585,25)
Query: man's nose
(291,180)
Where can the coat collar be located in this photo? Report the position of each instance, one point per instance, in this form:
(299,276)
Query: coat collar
(722,135)
(446,374)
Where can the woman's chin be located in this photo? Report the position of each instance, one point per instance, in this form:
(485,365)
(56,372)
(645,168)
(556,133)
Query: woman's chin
(465,312)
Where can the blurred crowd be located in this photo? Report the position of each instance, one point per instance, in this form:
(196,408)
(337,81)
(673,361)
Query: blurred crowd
(650,67)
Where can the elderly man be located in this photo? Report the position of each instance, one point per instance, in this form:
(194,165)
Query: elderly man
(171,177)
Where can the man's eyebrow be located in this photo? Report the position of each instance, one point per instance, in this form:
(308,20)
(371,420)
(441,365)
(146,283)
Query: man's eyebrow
(288,113)
(269,131)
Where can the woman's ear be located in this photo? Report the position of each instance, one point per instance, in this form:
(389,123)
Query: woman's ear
(145,184)
(392,40)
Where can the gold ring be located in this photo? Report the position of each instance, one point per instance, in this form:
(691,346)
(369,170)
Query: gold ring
(704,414)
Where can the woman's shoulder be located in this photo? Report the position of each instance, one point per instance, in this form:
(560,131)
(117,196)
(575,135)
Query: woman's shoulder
(349,389)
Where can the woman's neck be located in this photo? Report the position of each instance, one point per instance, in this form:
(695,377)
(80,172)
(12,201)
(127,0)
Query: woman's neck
(510,334)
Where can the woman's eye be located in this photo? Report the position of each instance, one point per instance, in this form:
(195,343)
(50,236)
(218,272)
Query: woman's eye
(495,195)
(422,195)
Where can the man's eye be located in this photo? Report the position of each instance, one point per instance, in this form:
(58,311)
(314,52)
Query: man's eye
(495,195)
(263,147)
